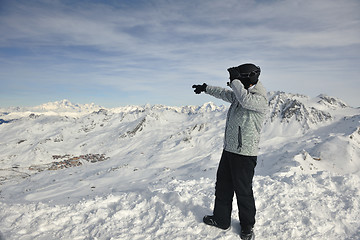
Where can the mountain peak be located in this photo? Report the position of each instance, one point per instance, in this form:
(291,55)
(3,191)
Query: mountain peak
(66,105)
(331,102)
(286,107)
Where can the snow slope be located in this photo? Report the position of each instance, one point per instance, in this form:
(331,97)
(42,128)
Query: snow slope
(148,172)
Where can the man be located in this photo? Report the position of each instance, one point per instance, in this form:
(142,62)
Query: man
(235,173)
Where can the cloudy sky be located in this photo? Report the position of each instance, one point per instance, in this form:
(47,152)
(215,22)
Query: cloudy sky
(116,53)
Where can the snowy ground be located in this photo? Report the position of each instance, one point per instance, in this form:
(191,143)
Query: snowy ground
(157,181)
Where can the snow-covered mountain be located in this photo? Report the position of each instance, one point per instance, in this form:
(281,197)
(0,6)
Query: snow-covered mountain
(63,107)
(66,106)
(72,171)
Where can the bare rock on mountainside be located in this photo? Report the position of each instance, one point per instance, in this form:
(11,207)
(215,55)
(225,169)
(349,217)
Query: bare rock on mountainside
(288,107)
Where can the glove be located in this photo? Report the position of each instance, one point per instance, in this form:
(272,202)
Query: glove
(234,73)
(199,88)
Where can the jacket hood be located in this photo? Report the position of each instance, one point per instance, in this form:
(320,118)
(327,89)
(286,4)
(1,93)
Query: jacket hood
(258,89)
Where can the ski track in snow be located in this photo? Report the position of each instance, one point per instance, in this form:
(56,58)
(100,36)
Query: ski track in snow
(159,179)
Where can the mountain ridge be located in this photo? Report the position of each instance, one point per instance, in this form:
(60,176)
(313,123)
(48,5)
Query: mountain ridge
(291,116)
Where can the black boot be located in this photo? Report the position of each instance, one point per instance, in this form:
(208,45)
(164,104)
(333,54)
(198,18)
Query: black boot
(210,220)
(247,233)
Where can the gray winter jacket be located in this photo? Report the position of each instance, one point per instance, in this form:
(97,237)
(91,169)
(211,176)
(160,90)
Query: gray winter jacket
(245,116)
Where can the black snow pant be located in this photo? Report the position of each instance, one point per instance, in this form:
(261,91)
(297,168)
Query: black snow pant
(235,174)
